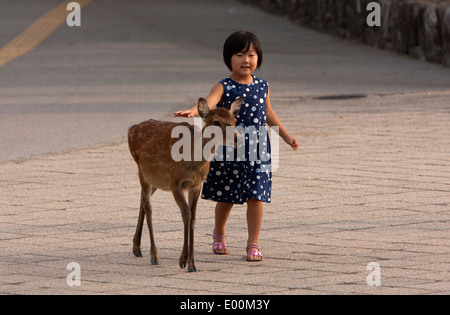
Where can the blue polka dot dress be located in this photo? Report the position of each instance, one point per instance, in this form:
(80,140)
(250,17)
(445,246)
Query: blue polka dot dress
(238,175)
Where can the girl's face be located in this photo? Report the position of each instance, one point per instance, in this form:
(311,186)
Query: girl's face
(244,63)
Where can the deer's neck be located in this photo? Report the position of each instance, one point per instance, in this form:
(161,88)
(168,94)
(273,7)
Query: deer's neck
(204,147)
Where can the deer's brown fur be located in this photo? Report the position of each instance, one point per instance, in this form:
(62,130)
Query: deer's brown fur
(150,145)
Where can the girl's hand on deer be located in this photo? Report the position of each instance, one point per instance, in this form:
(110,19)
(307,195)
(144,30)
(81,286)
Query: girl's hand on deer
(185,113)
(292,142)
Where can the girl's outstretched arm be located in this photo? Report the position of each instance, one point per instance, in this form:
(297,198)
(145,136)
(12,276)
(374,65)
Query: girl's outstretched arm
(273,121)
(213,98)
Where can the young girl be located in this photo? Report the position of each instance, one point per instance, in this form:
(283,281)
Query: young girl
(237,182)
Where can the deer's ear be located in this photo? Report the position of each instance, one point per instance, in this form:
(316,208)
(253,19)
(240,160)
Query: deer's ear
(235,107)
(203,108)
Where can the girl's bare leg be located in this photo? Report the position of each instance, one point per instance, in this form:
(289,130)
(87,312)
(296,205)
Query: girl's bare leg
(254,220)
(222,213)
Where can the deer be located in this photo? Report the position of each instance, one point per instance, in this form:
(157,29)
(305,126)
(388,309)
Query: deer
(150,144)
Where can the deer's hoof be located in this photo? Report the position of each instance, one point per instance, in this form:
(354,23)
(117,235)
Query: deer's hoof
(137,252)
(155,261)
(192,269)
(183,262)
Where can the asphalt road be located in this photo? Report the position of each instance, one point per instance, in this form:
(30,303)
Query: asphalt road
(135,60)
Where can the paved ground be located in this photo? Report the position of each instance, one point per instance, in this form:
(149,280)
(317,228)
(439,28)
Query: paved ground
(371,183)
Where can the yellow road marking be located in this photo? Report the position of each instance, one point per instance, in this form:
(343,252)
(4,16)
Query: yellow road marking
(37,32)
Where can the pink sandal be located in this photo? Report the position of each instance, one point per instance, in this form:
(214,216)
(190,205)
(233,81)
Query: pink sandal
(253,251)
(220,245)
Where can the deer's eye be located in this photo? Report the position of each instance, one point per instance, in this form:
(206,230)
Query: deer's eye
(217,123)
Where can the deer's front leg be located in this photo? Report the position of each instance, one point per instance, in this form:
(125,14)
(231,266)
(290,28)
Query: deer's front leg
(194,194)
(154,258)
(186,214)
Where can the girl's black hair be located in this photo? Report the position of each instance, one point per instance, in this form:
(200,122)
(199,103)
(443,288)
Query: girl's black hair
(240,42)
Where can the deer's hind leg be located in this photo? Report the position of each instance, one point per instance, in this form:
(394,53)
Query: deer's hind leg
(138,234)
